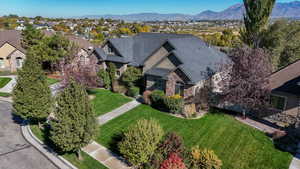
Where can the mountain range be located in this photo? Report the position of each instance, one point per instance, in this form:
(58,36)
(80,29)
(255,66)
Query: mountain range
(281,10)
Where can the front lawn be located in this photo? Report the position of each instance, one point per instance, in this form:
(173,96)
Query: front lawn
(87,162)
(51,81)
(2,94)
(106,101)
(4,81)
(237,145)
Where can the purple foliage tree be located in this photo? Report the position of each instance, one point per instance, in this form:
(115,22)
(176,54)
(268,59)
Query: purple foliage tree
(246,84)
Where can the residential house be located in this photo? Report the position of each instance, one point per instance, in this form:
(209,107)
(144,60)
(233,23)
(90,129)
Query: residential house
(285,98)
(12,55)
(85,46)
(174,63)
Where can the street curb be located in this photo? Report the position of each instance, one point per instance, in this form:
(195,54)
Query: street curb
(56,159)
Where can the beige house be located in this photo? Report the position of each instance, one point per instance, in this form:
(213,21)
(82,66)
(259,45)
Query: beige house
(12,55)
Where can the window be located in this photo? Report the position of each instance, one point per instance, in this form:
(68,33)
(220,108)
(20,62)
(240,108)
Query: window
(82,59)
(118,73)
(160,84)
(278,102)
(19,62)
(2,63)
(179,88)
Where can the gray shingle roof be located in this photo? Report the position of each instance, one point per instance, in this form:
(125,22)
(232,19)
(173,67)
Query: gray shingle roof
(158,72)
(196,55)
(12,37)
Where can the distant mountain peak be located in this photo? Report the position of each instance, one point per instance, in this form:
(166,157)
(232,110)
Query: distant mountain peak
(281,10)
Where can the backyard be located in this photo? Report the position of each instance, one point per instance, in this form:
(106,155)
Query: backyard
(106,101)
(237,145)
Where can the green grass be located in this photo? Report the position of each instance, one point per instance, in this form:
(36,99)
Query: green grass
(2,94)
(237,145)
(106,101)
(51,81)
(87,162)
(4,81)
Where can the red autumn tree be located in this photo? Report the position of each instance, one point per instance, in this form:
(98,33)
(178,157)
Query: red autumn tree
(247,83)
(82,70)
(173,162)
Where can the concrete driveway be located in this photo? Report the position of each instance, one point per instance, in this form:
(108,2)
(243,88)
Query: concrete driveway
(15,152)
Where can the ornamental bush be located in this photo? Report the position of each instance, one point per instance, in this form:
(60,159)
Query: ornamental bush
(140,141)
(174,104)
(133,91)
(173,162)
(131,75)
(104,76)
(204,159)
(157,99)
(172,143)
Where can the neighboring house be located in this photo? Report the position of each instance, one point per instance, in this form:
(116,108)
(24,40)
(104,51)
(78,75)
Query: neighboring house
(12,55)
(285,99)
(85,46)
(174,63)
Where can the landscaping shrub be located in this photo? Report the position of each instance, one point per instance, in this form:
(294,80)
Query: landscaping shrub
(174,104)
(133,91)
(204,159)
(173,162)
(157,99)
(140,141)
(104,76)
(118,88)
(112,69)
(131,75)
(146,97)
(171,144)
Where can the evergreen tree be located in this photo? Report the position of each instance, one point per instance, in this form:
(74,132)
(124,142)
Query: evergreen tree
(32,98)
(256,20)
(31,37)
(75,123)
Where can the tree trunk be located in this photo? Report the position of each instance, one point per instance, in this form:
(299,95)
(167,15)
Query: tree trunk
(40,125)
(79,155)
(244,114)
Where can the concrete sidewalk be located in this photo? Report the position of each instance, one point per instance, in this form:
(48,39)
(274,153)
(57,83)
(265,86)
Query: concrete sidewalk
(117,112)
(105,156)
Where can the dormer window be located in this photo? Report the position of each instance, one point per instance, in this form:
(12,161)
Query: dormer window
(110,50)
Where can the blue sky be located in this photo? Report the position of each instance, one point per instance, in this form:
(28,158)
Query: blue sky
(67,8)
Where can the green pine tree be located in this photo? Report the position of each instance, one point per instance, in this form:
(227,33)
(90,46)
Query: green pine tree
(32,98)
(256,20)
(31,37)
(75,123)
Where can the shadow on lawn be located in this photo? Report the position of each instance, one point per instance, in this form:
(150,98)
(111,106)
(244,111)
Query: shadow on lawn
(113,145)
